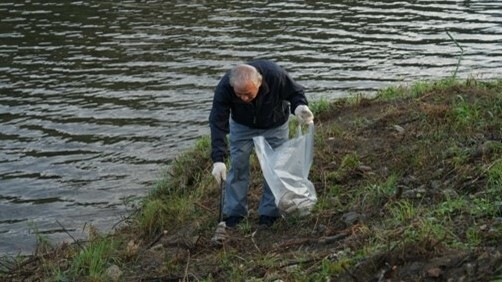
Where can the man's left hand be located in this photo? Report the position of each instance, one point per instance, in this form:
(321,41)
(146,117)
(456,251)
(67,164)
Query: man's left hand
(304,115)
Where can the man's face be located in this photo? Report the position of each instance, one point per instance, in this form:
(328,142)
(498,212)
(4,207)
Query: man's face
(246,92)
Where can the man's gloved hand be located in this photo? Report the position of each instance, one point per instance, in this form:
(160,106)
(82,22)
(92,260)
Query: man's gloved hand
(304,114)
(219,172)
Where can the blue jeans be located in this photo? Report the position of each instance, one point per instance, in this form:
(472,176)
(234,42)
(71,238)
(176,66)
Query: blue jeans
(241,145)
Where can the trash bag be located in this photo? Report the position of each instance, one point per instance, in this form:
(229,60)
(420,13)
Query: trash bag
(286,170)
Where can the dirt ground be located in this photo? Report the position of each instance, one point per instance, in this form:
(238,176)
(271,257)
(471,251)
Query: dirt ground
(386,136)
(412,136)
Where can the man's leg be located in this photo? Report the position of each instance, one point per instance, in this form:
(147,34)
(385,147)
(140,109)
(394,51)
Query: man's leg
(241,144)
(275,137)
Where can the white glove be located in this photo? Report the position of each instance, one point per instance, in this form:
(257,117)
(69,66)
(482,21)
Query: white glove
(304,115)
(219,172)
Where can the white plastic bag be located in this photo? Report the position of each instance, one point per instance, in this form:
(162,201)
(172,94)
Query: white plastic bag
(286,170)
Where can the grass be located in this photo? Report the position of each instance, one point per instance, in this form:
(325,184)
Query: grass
(420,164)
(93,260)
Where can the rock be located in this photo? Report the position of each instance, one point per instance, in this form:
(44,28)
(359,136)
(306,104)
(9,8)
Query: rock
(132,248)
(399,129)
(319,229)
(450,193)
(409,180)
(113,273)
(352,218)
(470,270)
(364,168)
(158,247)
(434,272)
(415,193)
(435,184)
(457,279)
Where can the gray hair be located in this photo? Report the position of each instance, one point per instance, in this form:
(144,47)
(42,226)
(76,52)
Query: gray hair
(243,74)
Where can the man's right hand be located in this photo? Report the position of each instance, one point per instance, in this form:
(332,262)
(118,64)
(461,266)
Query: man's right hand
(219,172)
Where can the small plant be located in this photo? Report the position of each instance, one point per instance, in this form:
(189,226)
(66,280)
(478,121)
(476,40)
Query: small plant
(43,244)
(494,181)
(94,259)
(461,54)
(323,203)
(233,266)
(154,217)
(331,267)
(464,114)
(452,207)
(483,207)
(420,88)
(473,236)
(334,190)
(318,106)
(402,212)
(245,226)
(190,168)
(392,92)
(387,188)
(422,230)
(268,260)
(349,163)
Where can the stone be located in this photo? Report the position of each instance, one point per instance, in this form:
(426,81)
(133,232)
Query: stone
(113,273)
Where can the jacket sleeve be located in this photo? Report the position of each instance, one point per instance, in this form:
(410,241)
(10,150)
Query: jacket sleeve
(292,91)
(219,121)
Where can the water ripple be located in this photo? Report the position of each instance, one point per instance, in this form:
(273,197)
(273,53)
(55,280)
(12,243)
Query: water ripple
(97,97)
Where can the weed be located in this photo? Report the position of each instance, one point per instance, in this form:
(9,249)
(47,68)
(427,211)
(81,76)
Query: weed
(323,203)
(494,173)
(402,212)
(94,259)
(452,207)
(392,92)
(349,163)
(154,217)
(483,207)
(464,114)
(473,236)
(331,268)
(43,244)
(420,88)
(319,106)
(460,57)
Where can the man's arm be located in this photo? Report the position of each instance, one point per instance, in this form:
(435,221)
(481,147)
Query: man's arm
(293,91)
(219,122)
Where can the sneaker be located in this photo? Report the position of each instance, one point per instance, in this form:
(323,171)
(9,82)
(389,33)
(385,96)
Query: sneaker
(232,221)
(267,221)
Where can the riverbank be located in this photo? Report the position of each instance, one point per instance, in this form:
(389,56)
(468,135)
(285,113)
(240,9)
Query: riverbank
(409,188)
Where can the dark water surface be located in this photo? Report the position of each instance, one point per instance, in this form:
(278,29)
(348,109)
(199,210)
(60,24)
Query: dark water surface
(96,97)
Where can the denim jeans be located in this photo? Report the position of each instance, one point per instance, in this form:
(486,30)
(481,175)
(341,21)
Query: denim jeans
(241,146)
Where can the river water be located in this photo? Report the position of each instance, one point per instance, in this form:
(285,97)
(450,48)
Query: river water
(97,97)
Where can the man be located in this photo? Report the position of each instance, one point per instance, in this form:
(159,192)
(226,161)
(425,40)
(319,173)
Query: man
(250,100)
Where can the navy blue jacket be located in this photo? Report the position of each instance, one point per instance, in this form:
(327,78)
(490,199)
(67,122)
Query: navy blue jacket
(269,109)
